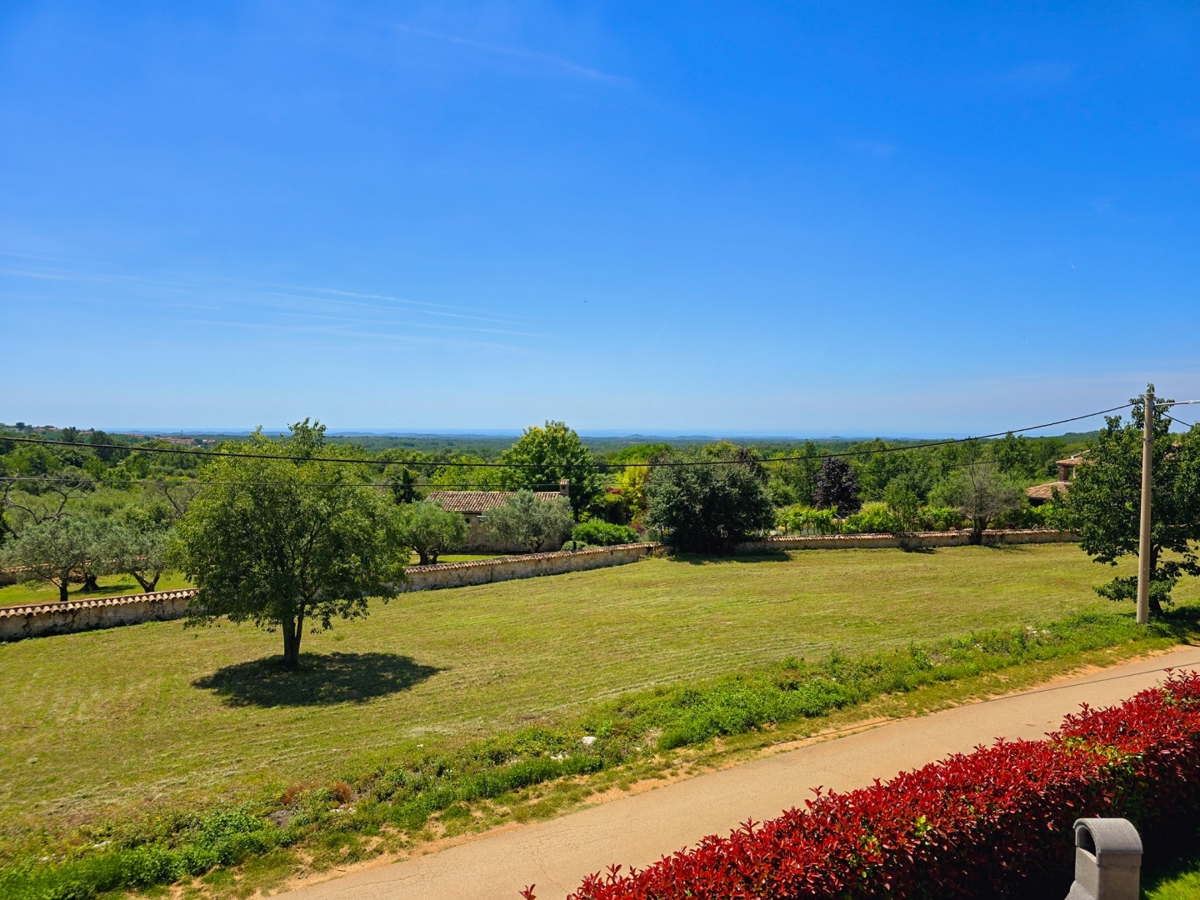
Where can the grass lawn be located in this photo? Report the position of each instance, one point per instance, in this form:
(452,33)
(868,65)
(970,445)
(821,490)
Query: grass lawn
(110,586)
(117,722)
(1183,884)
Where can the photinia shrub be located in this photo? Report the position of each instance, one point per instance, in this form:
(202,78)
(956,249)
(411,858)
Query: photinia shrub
(993,823)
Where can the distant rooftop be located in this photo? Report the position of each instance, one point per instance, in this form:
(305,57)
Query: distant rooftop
(480,501)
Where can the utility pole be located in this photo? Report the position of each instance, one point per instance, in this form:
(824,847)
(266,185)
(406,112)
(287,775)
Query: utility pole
(1143,584)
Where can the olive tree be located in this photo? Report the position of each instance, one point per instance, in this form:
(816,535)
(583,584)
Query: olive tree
(55,550)
(1103,503)
(531,523)
(284,543)
(430,530)
(139,543)
(981,492)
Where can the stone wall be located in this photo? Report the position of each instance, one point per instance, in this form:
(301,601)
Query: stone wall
(38,619)
(10,575)
(506,568)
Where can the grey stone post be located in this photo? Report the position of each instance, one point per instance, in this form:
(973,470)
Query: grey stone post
(1108,860)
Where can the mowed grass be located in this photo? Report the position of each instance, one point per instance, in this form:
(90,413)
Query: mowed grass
(128,720)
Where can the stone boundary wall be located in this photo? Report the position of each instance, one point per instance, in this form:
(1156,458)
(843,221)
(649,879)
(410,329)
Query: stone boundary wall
(11,575)
(38,619)
(920,540)
(530,565)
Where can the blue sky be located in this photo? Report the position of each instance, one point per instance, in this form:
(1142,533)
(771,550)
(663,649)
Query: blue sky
(804,218)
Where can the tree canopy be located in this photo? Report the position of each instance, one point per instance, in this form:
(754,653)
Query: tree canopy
(837,487)
(544,456)
(708,508)
(982,493)
(55,550)
(430,530)
(284,543)
(531,523)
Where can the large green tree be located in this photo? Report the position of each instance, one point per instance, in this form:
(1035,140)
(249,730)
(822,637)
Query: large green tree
(284,543)
(541,457)
(1104,502)
(708,508)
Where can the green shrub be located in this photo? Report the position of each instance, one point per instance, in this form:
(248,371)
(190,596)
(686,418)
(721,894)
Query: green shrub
(1026,517)
(941,518)
(224,838)
(875,518)
(805,520)
(603,534)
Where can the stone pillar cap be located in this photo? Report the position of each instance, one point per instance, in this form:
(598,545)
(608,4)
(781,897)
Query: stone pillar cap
(1107,838)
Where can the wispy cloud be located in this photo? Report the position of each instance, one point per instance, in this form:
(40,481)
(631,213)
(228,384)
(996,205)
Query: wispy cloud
(209,301)
(555,62)
(1043,72)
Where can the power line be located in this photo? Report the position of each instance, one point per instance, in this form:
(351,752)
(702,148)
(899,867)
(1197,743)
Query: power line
(599,466)
(426,486)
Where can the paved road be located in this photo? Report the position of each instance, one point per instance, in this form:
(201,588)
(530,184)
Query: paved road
(557,854)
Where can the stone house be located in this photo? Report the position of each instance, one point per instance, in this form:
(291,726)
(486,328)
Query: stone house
(474,506)
(1042,493)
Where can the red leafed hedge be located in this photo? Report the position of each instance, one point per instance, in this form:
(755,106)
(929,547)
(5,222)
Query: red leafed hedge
(996,822)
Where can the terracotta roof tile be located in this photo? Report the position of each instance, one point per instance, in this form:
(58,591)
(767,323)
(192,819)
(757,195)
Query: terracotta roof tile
(1046,491)
(479,501)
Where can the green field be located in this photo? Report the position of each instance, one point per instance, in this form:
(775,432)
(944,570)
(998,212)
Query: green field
(110,722)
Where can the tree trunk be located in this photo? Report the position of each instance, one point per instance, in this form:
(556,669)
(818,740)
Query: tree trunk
(62,590)
(89,582)
(291,643)
(422,557)
(148,584)
(978,526)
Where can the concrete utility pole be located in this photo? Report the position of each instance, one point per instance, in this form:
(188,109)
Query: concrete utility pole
(1143,587)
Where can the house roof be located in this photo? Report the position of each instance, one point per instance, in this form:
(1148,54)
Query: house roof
(1071,460)
(480,501)
(1046,491)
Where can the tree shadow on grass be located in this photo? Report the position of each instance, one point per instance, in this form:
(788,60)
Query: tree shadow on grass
(703,559)
(321,680)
